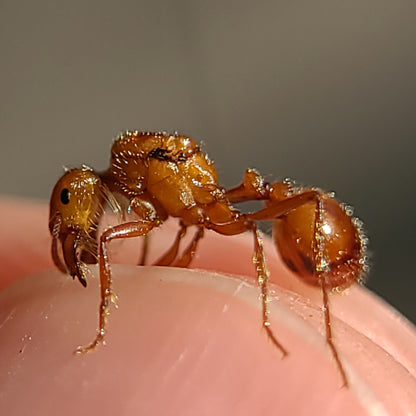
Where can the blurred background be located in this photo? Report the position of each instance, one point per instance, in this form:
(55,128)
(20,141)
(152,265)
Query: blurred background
(319,91)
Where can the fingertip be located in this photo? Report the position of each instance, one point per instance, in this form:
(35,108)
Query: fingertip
(181,340)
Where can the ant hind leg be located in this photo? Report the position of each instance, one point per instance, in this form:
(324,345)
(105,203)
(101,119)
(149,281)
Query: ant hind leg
(328,330)
(240,225)
(280,201)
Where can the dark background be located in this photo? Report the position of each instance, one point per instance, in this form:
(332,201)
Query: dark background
(320,91)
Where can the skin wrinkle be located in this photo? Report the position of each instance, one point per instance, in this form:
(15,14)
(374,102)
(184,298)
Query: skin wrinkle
(8,317)
(175,365)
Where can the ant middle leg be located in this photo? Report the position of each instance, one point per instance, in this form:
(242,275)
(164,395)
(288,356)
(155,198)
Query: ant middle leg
(189,252)
(170,255)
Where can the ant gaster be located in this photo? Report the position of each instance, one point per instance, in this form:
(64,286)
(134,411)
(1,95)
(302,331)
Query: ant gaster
(163,176)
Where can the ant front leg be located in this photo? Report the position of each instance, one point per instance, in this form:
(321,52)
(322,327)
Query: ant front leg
(127,230)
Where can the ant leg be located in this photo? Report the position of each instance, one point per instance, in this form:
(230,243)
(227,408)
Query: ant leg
(171,254)
(238,226)
(263,277)
(189,251)
(278,209)
(127,230)
(328,329)
(280,201)
(145,250)
(321,268)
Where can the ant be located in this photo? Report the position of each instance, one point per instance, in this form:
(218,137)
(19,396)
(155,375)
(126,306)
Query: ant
(162,175)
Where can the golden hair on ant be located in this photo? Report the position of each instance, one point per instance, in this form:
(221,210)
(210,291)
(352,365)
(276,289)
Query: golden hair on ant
(162,176)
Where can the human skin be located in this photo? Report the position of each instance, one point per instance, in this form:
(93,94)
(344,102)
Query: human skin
(188,342)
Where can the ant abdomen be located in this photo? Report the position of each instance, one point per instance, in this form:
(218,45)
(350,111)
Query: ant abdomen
(339,239)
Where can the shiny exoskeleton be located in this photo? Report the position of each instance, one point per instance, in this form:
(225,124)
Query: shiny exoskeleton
(162,175)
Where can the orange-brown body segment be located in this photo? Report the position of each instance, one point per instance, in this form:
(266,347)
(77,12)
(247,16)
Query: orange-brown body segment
(172,172)
(294,235)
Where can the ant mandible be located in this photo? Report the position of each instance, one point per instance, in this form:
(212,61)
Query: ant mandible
(163,175)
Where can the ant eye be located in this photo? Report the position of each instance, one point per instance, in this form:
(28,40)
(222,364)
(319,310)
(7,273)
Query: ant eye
(65,196)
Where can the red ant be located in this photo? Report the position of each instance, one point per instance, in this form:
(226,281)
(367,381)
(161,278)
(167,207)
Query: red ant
(163,176)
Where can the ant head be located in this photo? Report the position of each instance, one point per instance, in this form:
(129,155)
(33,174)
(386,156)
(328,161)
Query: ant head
(77,200)
(75,208)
